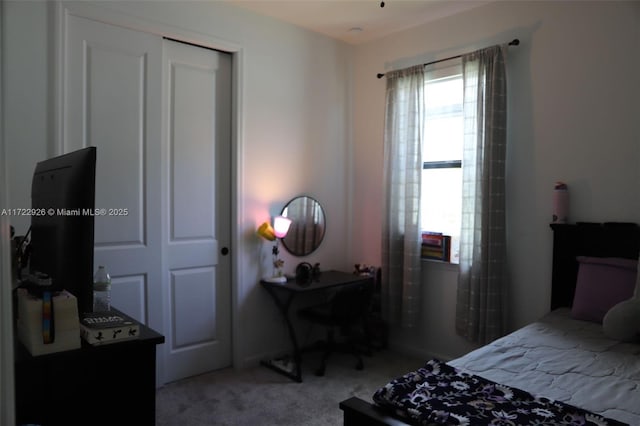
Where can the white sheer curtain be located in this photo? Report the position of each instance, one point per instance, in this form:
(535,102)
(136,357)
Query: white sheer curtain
(403,135)
(481,285)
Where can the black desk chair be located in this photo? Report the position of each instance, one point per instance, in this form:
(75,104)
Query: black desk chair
(346,313)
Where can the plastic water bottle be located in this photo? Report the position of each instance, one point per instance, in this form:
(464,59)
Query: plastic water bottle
(101,290)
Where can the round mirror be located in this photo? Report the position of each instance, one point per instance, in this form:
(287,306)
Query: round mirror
(307,226)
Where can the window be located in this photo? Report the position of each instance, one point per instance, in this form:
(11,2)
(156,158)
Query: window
(441,198)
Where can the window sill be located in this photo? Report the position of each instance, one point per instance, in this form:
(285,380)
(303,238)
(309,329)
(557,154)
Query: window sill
(434,264)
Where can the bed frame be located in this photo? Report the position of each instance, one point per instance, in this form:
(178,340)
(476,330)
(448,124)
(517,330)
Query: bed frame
(610,239)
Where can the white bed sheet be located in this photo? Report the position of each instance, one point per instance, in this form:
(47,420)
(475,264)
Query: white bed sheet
(566,360)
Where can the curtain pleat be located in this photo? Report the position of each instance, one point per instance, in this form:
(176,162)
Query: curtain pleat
(482,277)
(404,126)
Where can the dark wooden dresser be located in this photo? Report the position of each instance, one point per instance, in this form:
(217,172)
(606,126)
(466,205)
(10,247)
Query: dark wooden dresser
(112,384)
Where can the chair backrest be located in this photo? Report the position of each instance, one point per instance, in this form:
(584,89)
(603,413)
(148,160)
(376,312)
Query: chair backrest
(352,302)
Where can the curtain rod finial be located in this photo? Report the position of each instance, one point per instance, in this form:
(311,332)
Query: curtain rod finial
(379,75)
(514,42)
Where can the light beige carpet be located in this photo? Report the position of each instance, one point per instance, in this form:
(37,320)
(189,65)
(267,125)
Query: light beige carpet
(259,396)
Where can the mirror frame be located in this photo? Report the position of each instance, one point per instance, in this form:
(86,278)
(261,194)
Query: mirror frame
(288,242)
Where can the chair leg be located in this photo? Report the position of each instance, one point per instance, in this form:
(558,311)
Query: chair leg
(355,351)
(323,365)
(351,346)
(330,345)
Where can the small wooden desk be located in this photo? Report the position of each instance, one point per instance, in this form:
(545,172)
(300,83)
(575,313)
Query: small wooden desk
(283,295)
(94,385)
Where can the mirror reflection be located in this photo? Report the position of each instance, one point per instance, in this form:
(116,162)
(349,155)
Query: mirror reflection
(307,225)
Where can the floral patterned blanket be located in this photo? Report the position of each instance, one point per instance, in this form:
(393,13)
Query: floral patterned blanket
(441,394)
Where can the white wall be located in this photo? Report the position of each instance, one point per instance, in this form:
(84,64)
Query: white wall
(294,133)
(7,399)
(573,116)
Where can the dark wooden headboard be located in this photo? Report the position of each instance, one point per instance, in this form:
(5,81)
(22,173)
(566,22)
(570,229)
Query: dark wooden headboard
(611,239)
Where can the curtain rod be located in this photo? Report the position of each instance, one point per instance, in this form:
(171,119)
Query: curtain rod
(513,42)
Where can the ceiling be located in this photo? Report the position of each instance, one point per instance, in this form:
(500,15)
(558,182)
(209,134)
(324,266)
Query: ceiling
(357,21)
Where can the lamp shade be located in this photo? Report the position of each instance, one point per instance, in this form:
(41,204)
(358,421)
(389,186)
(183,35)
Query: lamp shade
(266,231)
(281,226)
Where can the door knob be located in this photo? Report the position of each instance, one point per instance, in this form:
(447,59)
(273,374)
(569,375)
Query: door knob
(224,251)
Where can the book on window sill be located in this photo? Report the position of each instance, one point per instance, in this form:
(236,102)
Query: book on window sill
(438,259)
(442,252)
(432,238)
(101,328)
(434,257)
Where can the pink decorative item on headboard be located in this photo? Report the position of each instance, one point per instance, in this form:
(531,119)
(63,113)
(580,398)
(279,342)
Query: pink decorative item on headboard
(560,203)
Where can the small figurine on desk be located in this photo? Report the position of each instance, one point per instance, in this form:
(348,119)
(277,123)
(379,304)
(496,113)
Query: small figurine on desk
(305,273)
(364,269)
(315,271)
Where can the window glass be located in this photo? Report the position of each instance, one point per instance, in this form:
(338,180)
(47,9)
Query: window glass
(441,199)
(443,138)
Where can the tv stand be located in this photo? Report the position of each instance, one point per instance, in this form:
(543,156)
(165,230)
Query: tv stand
(94,385)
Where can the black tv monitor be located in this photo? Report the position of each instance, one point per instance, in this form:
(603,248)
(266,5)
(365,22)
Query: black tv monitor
(63,202)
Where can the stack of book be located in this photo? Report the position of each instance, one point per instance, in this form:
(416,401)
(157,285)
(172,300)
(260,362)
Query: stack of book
(436,246)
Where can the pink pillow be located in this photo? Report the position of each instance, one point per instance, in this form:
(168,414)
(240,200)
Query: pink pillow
(602,283)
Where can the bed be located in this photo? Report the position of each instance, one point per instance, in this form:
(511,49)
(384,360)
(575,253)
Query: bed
(562,369)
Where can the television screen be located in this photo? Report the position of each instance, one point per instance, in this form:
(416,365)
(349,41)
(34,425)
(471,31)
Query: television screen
(63,202)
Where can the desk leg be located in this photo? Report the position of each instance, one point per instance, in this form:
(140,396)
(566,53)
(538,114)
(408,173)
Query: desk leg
(283,306)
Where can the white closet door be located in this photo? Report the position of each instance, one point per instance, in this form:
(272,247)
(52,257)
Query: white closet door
(158,161)
(113,83)
(197,100)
